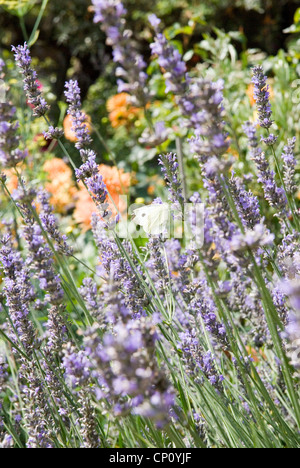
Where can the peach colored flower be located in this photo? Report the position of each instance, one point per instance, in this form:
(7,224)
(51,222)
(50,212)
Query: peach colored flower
(59,184)
(12,180)
(117,101)
(67,124)
(84,209)
(154,183)
(117,182)
(120,110)
(250,94)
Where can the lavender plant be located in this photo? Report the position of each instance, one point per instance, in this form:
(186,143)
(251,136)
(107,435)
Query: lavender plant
(172,344)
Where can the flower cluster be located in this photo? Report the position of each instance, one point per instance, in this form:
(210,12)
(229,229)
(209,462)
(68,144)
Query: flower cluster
(126,367)
(60,184)
(120,110)
(198,363)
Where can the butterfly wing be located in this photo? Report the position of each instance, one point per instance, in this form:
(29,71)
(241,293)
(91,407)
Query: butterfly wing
(153,219)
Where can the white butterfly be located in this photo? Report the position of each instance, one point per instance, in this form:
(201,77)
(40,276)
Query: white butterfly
(154,219)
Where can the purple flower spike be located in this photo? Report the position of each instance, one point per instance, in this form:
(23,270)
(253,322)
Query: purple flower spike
(289,166)
(131,70)
(262,97)
(78,117)
(31,86)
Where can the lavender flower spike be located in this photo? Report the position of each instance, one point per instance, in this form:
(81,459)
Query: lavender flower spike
(93,300)
(262,97)
(131,72)
(3,375)
(79,126)
(211,140)
(108,8)
(273,194)
(127,367)
(293,334)
(289,166)
(200,101)
(247,203)
(89,174)
(169,168)
(53,133)
(10,153)
(31,88)
(18,292)
(50,225)
(170,60)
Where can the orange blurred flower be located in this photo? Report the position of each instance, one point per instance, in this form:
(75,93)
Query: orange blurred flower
(67,124)
(233,151)
(250,94)
(12,178)
(118,101)
(120,110)
(151,190)
(155,181)
(84,209)
(11,181)
(59,183)
(117,182)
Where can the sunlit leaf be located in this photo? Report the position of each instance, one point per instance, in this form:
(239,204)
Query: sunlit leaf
(297,16)
(18,7)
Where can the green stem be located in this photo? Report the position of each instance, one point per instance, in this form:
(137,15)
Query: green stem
(23,27)
(37,22)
